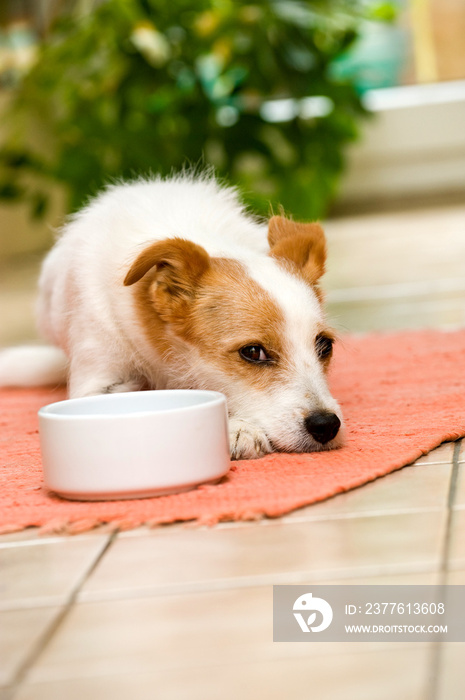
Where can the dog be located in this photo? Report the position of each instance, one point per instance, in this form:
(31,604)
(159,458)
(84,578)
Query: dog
(172,284)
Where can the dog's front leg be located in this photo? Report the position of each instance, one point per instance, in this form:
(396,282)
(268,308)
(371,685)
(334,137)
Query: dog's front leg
(247,440)
(102,385)
(91,376)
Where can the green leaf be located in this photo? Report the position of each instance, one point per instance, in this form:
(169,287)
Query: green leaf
(10,191)
(148,85)
(39,205)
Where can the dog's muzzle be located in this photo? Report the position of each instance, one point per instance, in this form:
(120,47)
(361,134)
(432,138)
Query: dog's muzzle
(323,426)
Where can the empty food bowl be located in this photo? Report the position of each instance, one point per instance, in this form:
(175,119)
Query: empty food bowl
(134,445)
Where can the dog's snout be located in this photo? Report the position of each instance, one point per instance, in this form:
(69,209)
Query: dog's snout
(323,426)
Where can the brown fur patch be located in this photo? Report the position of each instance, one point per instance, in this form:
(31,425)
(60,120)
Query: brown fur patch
(220,310)
(177,266)
(232,311)
(301,245)
(186,262)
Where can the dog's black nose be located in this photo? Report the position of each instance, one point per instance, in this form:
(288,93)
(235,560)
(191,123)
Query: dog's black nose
(322,425)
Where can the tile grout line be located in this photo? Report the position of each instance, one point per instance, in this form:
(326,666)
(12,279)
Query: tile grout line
(52,628)
(320,577)
(450,512)
(437,650)
(40,541)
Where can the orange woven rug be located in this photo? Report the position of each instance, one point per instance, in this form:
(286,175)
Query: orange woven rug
(402,395)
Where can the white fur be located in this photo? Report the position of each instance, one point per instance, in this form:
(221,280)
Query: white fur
(85,271)
(282,408)
(85,309)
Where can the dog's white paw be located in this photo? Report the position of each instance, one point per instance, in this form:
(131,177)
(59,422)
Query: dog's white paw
(122,387)
(247,440)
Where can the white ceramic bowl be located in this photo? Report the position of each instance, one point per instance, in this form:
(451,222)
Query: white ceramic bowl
(134,445)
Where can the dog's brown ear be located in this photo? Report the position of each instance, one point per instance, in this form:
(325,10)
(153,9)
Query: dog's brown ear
(303,245)
(180,264)
(177,266)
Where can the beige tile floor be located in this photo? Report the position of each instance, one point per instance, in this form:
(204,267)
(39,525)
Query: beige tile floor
(185,613)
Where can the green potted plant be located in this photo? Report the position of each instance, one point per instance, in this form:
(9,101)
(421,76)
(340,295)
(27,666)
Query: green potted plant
(133,86)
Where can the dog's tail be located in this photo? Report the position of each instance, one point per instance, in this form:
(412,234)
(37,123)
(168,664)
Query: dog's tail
(32,365)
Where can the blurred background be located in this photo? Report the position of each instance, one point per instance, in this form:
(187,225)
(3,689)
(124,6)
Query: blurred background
(330,109)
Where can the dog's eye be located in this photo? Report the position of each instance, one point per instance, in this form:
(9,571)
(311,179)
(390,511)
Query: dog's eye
(254,353)
(324,346)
